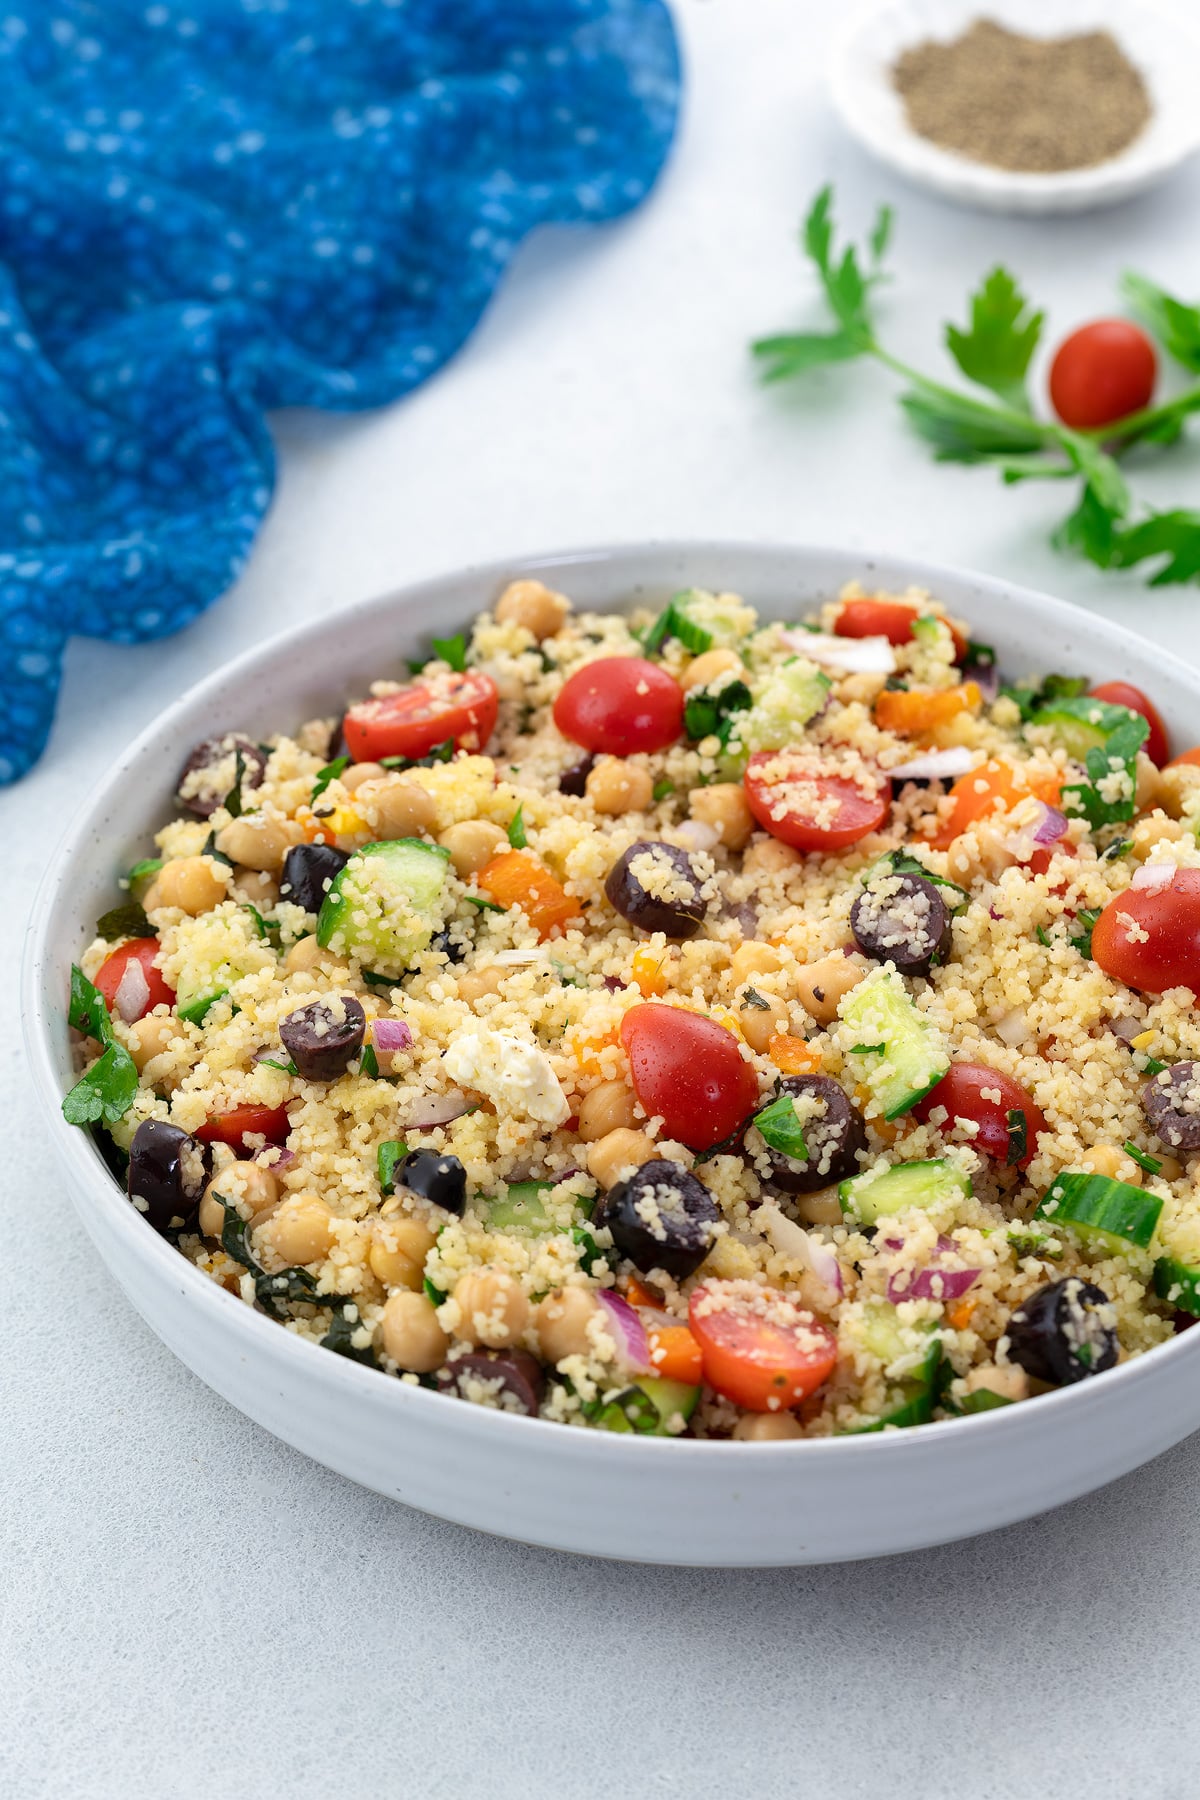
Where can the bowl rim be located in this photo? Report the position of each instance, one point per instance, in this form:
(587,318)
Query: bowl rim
(260,1335)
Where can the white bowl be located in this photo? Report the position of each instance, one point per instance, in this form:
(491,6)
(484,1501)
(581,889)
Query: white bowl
(1162,47)
(652,1500)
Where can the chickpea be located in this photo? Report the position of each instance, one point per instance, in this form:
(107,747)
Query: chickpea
(359,773)
(256,886)
(618,1153)
(531,604)
(767,1428)
(759,1024)
(708,667)
(472,844)
(1179,791)
(260,840)
(246,1181)
(492,1308)
(608,1107)
(1105,1159)
(1008,1379)
(752,959)
(821,985)
(398,1254)
(562,1322)
(769,857)
(1170,1168)
(195,884)
(1156,828)
(821,1207)
(616,787)
(1148,786)
(307,954)
(412,1336)
(396,807)
(475,983)
(300,1230)
(150,1037)
(724,807)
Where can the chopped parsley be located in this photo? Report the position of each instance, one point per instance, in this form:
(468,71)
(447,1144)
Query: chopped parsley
(713,714)
(453,651)
(1031,696)
(780,1128)
(440,753)
(662,787)
(233,799)
(1119,848)
(433,1293)
(901,862)
(106,1092)
(285,1068)
(516,829)
(752,997)
(391,1152)
(1018,1137)
(368,1062)
(1085,918)
(1043,937)
(1151,1164)
(589,1254)
(122,922)
(329,773)
(484,905)
(867,1049)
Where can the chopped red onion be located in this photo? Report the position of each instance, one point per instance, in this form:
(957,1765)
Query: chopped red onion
(133,991)
(986,677)
(792,1240)
(1126,1028)
(932,1282)
(845,656)
(1154,876)
(275,1156)
(934,765)
(436,1109)
(1039,827)
(390,1035)
(627,1332)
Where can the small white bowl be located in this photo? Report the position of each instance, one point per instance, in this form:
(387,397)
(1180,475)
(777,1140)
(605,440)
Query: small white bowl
(643,1499)
(1162,47)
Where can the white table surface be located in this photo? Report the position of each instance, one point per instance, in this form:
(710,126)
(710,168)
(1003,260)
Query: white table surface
(187,1606)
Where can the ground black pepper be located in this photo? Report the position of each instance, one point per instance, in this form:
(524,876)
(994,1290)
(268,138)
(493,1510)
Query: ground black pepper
(1035,104)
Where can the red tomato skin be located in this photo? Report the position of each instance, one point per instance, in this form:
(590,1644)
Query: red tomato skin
(758,1365)
(891,619)
(1170,917)
(412,722)
(619,705)
(689,1070)
(959,1091)
(1102,373)
(857,816)
(143,950)
(232,1128)
(1123,693)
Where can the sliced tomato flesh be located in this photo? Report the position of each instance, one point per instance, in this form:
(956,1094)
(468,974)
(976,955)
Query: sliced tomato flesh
(813,803)
(447,708)
(233,1128)
(759,1348)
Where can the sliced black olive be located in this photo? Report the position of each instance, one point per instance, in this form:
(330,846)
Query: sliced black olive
(901,919)
(441,1179)
(211,770)
(656,887)
(834,1133)
(452,948)
(323,1037)
(573,781)
(661,1218)
(168,1172)
(519,1374)
(1060,1334)
(1172,1105)
(308,869)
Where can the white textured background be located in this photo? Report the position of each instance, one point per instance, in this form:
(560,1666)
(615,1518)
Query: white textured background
(190,1608)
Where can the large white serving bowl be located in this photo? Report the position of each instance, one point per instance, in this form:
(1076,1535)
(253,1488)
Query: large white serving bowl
(650,1500)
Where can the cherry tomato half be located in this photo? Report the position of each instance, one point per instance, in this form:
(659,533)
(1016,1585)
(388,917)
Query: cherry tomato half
(810,807)
(619,705)
(1149,938)
(986,1097)
(689,1071)
(759,1348)
(891,619)
(1102,373)
(233,1128)
(1123,693)
(108,977)
(417,719)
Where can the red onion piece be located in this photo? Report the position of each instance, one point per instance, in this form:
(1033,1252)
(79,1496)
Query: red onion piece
(1038,827)
(934,765)
(390,1035)
(845,656)
(986,677)
(133,991)
(275,1156)
(792,1240)
(436,1109)
(1153,876)
(932,1282)
(1126,1029)
(626,1331)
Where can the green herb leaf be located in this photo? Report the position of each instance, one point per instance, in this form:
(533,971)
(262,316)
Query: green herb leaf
(1152,1066)
(867,1049)
(1174,536)
(1151,1164)
(440,753)
(752,997)
(106,1092)
(590,1255)
(368,1062)
(432,1293)
(453,651)
(141,875)
(983,655)
(340,1339)
(900,862)
(291,1287)
(1116,756)
(847,288)
(391,1152)
(516,829)
(87,1011)
(1173,322)
(285,1068)
(233,1236)
(123,922)
(794,353)
(662,787)
(711,712)
(1117,849)
(329,773)
(379,981)
(780,1128)
(1018,1136)
(1043,937)
(963,429)
(1085,918)
(1032,696)
(1003,335)
(484,905)
(233,799)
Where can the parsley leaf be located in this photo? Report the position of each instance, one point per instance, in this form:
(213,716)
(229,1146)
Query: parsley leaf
(516,829)
(391,1152)
(233,799)
(901,862)
(1151,1164)
(285,1068)
(1175,324)
(847,290)
(589,1253)
(867,1049)
(752,997)
(780,1128)
(662,787)
(329,773)
(484,905)
(1018,1136)
(1085,919)
(368,1062)
(440,753)
(1003,336)
(105,1093)
(340,1338)
(433,1293)
(1031,696)
(123,921)
(709,713)
(1117,756)
(453,651)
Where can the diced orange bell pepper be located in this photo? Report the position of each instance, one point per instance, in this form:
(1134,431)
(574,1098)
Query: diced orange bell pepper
(638,1294)
(516,878)
(792,1056)
(912,711)
(958,1316)
(647,975)
(586,1051)
(675,1353)
(995,787)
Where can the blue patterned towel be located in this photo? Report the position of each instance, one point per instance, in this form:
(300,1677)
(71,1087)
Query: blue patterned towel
(212,207)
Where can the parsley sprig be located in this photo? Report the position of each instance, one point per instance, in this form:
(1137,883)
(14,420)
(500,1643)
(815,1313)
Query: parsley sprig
(105,1093)
(994,352)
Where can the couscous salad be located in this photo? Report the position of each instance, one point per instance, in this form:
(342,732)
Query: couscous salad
(677,1024)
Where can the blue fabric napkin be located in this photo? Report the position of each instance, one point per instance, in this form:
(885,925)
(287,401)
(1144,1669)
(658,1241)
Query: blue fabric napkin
(212,207)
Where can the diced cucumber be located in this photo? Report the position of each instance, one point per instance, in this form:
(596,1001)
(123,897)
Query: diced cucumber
(983,1400)
(1080,723)
(221,951)
(790,698)
(1178,1283)
(521,1208)
(647,1407)
(386,903)
(699,620)
(911,1400)
(1026,1241)
(1106,1215)
(865,1199)
(912,1060)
